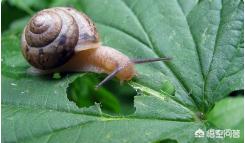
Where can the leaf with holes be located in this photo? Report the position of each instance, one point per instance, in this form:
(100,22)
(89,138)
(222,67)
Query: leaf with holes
(205,40)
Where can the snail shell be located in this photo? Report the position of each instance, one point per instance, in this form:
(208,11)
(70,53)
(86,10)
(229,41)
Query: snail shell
(53,35)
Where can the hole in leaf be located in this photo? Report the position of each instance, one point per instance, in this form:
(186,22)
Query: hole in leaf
(113,97)
(167,141)
(168,88)
(237,93)
(56,76)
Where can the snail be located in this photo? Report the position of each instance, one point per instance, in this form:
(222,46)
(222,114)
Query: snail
(62,39)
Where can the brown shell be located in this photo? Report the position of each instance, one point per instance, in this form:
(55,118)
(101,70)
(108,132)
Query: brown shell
(53,35)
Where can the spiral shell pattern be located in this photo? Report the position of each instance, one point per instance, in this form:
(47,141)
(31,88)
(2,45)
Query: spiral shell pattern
(52,35)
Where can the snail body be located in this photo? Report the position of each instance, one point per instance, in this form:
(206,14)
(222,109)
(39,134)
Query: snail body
(63,39)
(98,60)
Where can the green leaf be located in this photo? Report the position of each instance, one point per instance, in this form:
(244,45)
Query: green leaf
(204,39)
(28,5)
(228,114)
(17,25)
(217,34)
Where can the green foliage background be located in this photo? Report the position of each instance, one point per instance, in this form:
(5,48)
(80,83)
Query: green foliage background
(202,87)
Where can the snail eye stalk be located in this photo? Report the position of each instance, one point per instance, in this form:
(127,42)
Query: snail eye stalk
(151,60)
(109,77)
(118,69)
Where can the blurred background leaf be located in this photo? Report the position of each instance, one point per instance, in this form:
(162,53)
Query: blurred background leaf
(113,97)
(228,114)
